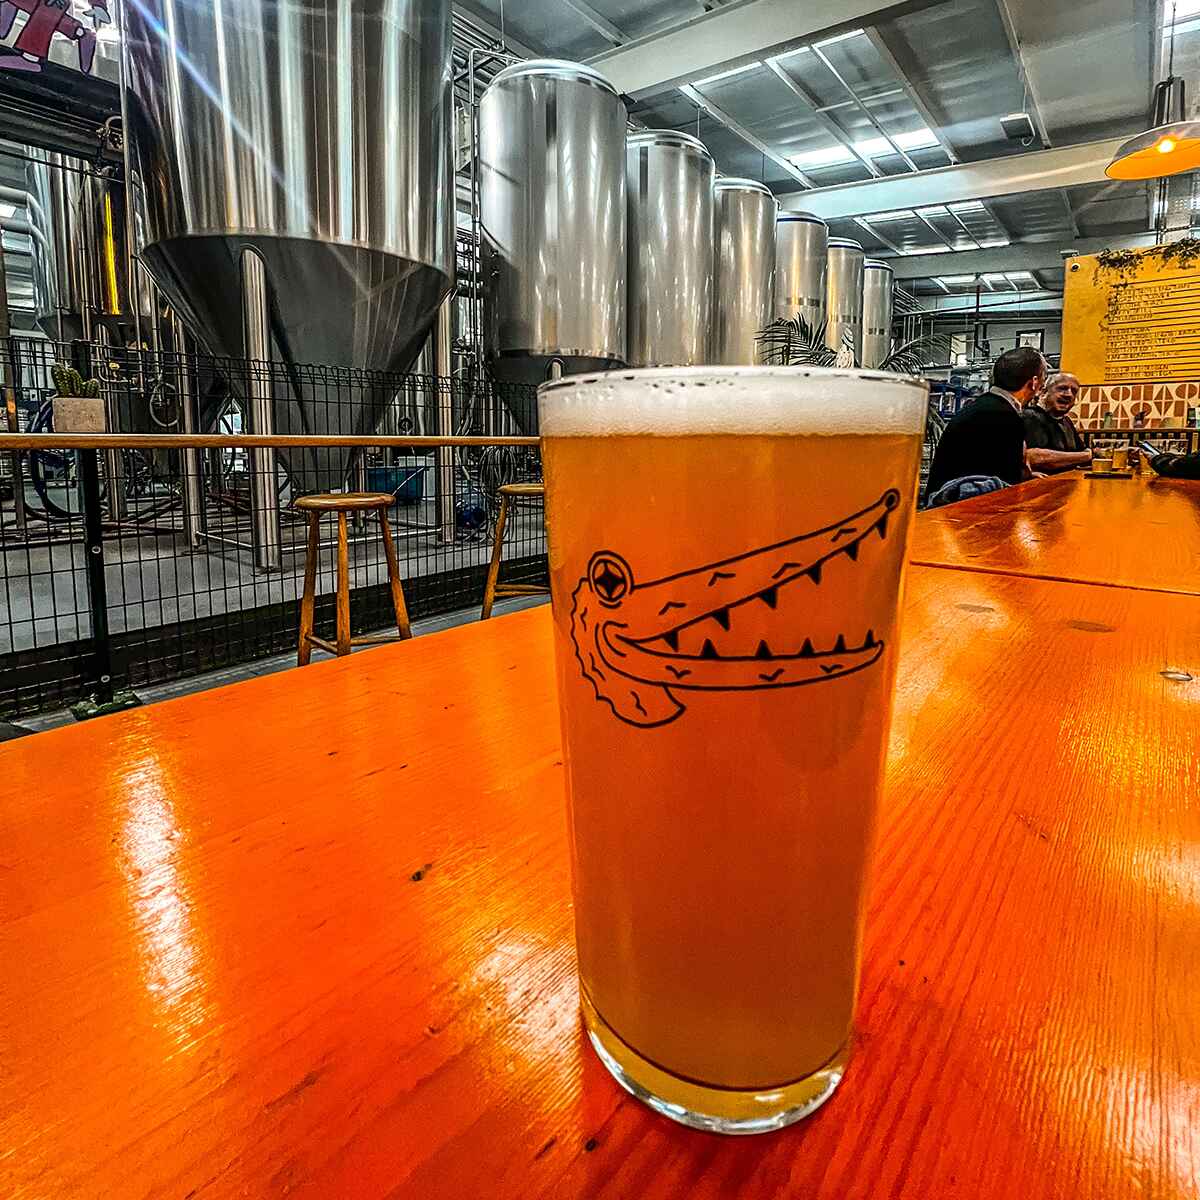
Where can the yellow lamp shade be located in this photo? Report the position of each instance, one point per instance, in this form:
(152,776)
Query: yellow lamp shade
(1163,150)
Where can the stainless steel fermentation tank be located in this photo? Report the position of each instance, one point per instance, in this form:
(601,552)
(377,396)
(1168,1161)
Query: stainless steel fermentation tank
(296,154)
(745,214)
(552,224)
(877,312)
(79,249)
(669,181)
(800,255)
(844,296)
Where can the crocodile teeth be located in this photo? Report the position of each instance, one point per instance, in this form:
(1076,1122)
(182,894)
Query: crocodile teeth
(721,616)
(770,597)
(881,525)
(709,650)
(814,572)
(672,639)
(763,651)
(807,651)
(839,647)
(852,551)
(870,639)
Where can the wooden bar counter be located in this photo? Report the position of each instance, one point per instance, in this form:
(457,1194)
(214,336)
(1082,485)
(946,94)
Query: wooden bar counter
(310,935)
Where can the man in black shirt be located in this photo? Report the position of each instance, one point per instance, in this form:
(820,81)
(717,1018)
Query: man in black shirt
(1052,443)
(987,436)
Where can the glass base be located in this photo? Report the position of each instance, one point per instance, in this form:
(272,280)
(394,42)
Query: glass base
(717,1110)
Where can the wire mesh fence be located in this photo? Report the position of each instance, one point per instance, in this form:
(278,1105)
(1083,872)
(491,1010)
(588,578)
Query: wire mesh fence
(198,554)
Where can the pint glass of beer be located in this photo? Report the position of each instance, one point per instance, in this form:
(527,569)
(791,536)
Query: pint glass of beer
(727,550)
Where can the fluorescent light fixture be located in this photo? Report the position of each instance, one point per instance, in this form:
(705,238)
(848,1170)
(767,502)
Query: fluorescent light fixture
(1020,275)
(7,210)
(841,37)
(927,250)
(967,206)
(900,214)
(994,243)
(778,58)
(752,66)
(832,156)
(957,280)
(995,277)
(827,156)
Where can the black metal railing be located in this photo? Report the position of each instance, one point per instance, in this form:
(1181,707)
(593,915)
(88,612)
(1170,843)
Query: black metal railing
(164,554)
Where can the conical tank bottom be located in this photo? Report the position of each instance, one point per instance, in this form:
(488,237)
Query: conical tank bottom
(331,304)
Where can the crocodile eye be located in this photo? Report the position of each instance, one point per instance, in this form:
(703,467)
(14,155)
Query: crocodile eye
(610,577)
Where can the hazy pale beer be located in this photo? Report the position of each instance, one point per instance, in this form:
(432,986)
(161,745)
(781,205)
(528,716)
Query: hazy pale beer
(727,550)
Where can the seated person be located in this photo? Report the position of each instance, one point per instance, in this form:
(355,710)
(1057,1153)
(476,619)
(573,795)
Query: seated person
(1052,443)
(987,435)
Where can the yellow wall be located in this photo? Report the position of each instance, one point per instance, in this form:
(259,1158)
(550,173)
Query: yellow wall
(1131,332)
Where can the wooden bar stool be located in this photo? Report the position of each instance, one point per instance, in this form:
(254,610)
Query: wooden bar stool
(495,590)
(343,503)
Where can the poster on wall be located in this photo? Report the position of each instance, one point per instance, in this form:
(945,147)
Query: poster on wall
(1131,333)
(64,32)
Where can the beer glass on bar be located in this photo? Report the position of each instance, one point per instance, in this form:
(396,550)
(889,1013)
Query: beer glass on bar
(727,551)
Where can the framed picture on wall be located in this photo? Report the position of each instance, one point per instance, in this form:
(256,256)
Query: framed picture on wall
(1031,337)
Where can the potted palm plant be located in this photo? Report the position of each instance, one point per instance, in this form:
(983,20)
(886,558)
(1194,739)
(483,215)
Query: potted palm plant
(793,342)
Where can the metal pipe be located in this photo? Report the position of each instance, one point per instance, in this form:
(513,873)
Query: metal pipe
(10,396)
(131,256)
(114,464)
(444,455)
(193,506)
(93,545)
(256,337)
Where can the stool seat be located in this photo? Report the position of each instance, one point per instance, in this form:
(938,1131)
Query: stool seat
(342,503)
(493,589)
(346,501)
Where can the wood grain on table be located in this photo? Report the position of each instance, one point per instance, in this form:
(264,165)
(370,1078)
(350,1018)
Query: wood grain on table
(1140,532)
(310,935)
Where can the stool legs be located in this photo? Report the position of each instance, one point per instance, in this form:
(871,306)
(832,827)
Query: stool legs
(489,591)
(343,587)
(304,651)
(393,567)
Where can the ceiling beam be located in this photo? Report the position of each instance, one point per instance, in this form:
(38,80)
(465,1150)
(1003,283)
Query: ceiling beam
(598,21)
(736,33)
(1020,256)
(1016,173)
(698,98)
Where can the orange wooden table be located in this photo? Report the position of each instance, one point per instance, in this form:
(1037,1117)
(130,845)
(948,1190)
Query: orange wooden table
(310,935)
(1140,532)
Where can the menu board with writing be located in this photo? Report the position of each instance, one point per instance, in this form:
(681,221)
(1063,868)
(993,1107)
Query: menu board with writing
(1131,333)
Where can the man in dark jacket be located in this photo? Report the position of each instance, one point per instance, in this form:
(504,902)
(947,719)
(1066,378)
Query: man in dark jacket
(987,436)
(1052,443)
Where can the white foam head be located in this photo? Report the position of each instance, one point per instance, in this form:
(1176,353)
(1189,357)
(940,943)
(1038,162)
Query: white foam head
(725,400)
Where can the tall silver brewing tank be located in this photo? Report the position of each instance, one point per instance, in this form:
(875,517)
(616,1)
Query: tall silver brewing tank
(296,154)
(745,270)
(877,312)
(800,253)
(669,181)
(552,223)
(80,262)
(844,295)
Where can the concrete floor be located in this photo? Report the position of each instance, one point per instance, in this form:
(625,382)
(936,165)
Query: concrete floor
(267,666)
(155,579)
